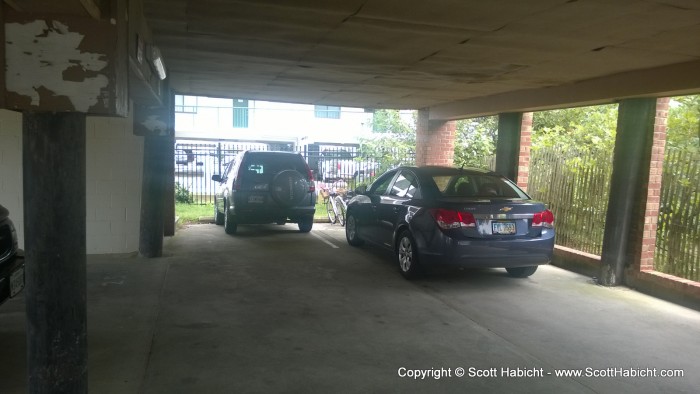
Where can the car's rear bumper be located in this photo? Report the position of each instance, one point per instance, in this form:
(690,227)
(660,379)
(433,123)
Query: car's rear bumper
(520,252)
(11,271)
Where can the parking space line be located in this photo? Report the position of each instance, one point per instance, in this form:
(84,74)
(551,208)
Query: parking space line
(331,244)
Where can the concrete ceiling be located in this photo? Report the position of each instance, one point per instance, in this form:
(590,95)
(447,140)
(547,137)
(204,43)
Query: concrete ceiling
(458,57)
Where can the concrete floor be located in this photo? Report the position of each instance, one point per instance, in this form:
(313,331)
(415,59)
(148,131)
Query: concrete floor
(273,310)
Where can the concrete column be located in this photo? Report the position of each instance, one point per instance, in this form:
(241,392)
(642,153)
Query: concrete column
(524,156)
(153,194)
(508,144)
(627,200)
(54,220)
(435,140)
(651,215)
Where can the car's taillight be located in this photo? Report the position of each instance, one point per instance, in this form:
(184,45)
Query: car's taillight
(543,219)
(312,185)
(449,219)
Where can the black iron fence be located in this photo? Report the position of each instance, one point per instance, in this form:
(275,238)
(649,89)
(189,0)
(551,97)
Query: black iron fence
(196,163)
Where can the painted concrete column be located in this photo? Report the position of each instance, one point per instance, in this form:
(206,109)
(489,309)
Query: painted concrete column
(435,140)
(651,216)
(153,197)
(508,144)
(54,220)
(524,156)
(627,200)
(156,124)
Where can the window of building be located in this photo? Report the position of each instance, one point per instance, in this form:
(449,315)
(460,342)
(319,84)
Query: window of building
(186,104)
(240,113)
(327,112)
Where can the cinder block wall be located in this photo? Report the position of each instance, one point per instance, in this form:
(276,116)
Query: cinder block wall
(113,181)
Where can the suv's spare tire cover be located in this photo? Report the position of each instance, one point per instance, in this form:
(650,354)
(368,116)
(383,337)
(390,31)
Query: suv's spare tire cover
(289,187)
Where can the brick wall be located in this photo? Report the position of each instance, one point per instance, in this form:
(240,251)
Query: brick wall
(651,216)
(434,141)
(524,155)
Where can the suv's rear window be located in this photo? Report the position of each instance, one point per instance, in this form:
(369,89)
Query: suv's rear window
(476,185)
(265,165)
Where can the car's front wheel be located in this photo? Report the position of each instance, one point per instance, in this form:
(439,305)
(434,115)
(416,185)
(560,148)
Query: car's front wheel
(230,225)
(521,272)
(407,256)
(351,231)
(305,224)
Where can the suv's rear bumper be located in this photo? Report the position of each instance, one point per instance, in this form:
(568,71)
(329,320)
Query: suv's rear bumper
(244,212)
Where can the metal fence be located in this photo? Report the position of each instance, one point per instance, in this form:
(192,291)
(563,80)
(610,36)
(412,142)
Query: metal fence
(576,187)
(195,163)
(678,233)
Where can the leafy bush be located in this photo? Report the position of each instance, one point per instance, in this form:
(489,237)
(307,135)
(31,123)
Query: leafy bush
(182,194)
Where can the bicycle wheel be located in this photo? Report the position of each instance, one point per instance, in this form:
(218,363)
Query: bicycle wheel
(330,208)
(340,203)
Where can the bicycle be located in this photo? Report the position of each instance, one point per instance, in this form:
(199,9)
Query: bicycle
(336,202)
(341,202)
(329,201)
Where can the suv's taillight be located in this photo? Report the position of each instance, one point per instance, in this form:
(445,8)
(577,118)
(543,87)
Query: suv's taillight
(312,185)
(543,219)
(448,219)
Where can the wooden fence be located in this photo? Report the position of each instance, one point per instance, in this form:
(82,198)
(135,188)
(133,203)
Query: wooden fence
(575,186)
(678,233)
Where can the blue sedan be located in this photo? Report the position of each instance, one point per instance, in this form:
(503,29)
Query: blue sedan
(443,216)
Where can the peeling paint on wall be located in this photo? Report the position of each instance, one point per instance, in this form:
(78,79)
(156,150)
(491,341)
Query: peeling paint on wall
(44,62)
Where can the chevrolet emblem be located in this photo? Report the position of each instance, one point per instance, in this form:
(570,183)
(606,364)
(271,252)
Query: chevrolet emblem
(506,209)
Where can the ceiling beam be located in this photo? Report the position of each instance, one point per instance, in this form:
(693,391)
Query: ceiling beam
(673,80)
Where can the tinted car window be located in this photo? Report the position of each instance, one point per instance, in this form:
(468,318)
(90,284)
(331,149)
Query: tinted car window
(265,166)
(476,185)
(380,185)
(406,185)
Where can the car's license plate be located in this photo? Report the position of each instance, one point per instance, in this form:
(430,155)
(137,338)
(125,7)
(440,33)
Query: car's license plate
(16,282)
(256,199)
(503,228)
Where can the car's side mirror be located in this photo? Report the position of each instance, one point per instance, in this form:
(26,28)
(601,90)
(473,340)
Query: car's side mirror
(362,189)
(216,178)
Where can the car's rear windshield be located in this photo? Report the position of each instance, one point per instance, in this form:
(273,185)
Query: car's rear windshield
(476,185)
(268,164)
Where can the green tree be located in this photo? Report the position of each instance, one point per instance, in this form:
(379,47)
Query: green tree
(475,141)
(584,129)
(684,123)
(393,142)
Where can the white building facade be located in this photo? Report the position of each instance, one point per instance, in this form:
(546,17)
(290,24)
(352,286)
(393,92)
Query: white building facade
(241,120)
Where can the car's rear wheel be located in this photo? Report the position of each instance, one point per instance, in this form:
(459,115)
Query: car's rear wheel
(332,216)
(218,216)
(407,256)
(305,224)
(521,272)
(230,225)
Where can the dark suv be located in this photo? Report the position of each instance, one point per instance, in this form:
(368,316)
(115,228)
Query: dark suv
(260,187)
(11,260)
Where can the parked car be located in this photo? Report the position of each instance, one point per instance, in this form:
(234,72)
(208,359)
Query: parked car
(11,259)
(259,187)
(341,165)
(441,216)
